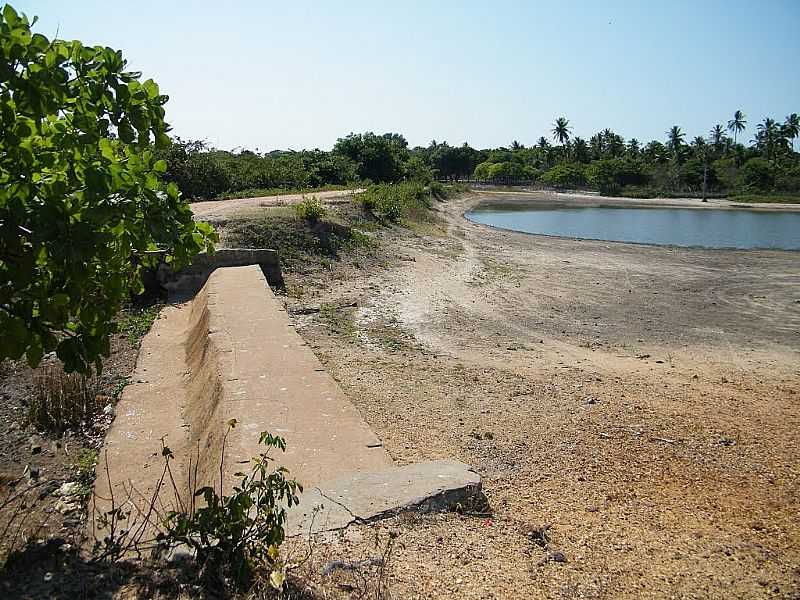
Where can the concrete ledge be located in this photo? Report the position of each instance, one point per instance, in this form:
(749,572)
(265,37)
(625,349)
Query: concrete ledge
(188,281)
(434,486)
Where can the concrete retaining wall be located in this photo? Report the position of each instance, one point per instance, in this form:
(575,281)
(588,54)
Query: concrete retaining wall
(188,281)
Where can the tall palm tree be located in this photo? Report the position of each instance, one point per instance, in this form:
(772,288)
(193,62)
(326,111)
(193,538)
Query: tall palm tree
(580,150)
(717,136)
(675,138)
(633,147)
(791,127)
(561,130)
(737,124)
(768,136)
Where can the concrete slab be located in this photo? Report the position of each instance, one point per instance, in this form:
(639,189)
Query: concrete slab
(272,381)
(434,486)
(231,353)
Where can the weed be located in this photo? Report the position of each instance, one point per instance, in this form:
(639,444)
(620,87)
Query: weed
(391,202)
(232,536)
(85,464)
(138,321)
(62,401)
(310,209)
(245,529)
(337,319)
(359,239)
(119,387)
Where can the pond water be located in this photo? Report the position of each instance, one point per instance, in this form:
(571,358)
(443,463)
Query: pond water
(709,228)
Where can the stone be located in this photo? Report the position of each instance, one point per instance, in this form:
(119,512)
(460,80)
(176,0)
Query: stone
(108,410)
(65,507)
(33,472)
(70,488)
(433,486)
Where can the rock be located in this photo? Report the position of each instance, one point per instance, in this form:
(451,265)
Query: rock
(66,508)
(70,488)
(109,410)
(590,400)
(32,471)
(36,445)
(181,554)
(437,485)
(553,556)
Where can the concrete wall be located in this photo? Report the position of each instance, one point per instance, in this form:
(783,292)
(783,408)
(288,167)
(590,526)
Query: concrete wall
(188,281)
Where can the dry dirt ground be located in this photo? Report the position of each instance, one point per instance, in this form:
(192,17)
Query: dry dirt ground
(639,404)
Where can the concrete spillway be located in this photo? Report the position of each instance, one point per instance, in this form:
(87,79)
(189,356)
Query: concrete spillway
(231,353)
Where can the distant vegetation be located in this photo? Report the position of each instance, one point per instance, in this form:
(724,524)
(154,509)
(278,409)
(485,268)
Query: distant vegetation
(606,162)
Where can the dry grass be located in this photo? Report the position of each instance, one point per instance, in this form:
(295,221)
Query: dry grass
(62,401)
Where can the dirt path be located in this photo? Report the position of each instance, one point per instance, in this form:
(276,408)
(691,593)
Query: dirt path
(641,401)
(213,209)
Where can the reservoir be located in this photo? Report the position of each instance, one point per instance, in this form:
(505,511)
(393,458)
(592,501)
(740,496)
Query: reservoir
(707,228)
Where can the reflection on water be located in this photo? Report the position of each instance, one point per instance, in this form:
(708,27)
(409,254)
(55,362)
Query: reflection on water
(708,228)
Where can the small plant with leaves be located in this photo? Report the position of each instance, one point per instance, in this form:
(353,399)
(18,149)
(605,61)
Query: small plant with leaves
(138,321)
(310,209)
(244,530)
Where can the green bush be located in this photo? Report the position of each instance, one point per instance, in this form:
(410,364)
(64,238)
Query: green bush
(393,201)
(245,529)
(82,202)
(756,175)
(565,175)
(310,209)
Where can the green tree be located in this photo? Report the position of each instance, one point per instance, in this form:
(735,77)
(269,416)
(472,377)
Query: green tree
(717,137)
(737,124)
(791,127)
(675,140)
(82,206)
(378,158)
(561,130)
(769,137)
(566,174)
(757,175)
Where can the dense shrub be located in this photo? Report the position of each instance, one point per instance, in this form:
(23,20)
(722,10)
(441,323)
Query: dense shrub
(391,202)
(310,209)
(756,175)
(566,174)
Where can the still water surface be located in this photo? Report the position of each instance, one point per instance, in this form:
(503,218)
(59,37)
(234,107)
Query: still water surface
(707,228)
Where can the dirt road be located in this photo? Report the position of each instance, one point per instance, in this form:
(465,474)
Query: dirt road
(214,209)
(640,401)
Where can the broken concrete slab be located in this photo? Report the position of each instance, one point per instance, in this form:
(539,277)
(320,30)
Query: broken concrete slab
(433,486)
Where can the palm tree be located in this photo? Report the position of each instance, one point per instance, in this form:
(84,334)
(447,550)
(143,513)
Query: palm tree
(717,136)
(561,130)
(737,124)
(515,145)
(768,135)
(633,147)
(675,138)
(580,150)
(791,127)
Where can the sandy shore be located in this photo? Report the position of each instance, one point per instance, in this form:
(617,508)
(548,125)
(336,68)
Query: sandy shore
(640,401)
(566,199)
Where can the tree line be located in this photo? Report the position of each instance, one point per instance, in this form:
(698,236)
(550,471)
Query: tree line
(716,163)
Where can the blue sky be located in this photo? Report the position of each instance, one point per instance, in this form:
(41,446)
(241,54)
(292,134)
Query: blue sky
(294,74)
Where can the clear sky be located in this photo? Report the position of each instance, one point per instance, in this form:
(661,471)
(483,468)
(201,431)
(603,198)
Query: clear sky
(299,74)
